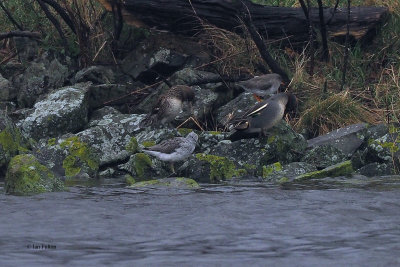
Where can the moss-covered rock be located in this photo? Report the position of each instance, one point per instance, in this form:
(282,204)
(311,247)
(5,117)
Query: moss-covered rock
(133,145)
(25,176)
(341,169)
(270,169)
(79,155)
(141,162)
(212,168)
(173,182)
(68,156)
(11,141)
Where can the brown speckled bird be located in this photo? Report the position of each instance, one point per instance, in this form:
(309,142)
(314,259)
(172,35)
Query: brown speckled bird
(168,105)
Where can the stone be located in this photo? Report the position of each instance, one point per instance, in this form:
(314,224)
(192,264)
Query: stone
(68,157)
(276,172)
(376,169)
(346,139)
(12,142)
(7,91)
(324,156)
(146,64)
(99,94)
(27,176)
(63,111)
(235,107)
(94,74)
(171,182)
(38,79)
(341,169)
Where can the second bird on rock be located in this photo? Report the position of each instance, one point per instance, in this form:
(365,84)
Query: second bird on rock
(168,105)
(263,85)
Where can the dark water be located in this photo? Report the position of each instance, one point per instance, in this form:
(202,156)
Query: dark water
(328,224)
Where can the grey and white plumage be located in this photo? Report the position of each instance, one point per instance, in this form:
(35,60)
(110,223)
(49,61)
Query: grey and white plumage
(174,149)
(168,105)
(263,116)
(262,85)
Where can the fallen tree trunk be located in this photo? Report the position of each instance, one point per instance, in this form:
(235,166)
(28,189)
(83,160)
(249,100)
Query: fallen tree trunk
(186,17)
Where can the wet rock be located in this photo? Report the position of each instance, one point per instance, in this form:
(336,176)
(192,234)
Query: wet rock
(235,107)
(68,157)
(210,168)
(384,149)
(190,76)
(26,176)
(341,169)
(11,141)
(143,167)
(7,91)
(377,169)
(8,106)
(38,79)
(346,139)
(172,182)
(151,136)
(27,48)
(63,111)
(102,93)
(277,172)
(324,156)
(110,136)
(94,74)
(146,65)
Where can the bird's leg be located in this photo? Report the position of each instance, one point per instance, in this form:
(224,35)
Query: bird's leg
(259,99)
(264,133)
(171,165)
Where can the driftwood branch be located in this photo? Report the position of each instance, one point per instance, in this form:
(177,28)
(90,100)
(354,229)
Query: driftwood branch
(29,34)
(54,21)
(182,16)
(262,48)
(325,50)
(63,14)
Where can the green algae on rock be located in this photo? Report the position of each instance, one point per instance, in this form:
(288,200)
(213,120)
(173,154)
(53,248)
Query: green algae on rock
(11,141)
(26,176)
(270,169)
(341,169)
(221,168)
(142,162)
(129,180)
(79,155)
(132,146)
(173,182)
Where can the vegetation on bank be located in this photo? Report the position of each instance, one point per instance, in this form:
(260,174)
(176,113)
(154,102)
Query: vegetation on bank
(371,92)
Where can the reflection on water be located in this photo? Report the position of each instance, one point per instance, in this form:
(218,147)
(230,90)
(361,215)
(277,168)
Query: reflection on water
(332,222)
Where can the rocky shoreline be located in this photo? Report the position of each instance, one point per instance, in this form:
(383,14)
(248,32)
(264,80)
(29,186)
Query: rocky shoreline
(55,130)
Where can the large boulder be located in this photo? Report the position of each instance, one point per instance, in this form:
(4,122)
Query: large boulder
(68,157)
(63,111)
(324,156)
(11,141)
(26,176)
(38,79)
(347,139)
